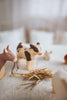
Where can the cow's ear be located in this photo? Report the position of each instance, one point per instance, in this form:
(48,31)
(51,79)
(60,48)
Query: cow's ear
(38,43)
(31,45)
(19,46)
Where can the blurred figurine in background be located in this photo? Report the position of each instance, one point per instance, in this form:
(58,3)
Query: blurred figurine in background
(59,85)
(7,55)
(47,55)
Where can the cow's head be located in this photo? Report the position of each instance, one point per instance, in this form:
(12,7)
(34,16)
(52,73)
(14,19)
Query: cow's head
(36,48)
(8,55)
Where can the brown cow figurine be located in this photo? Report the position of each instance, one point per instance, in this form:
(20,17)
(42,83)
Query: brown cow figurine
(7,55)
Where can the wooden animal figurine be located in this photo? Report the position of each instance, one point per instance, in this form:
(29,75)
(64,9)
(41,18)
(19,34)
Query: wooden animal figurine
(20,52)
(28,54)
(65,58)
(7,55)
(47,55)
(59,85)
(20,55)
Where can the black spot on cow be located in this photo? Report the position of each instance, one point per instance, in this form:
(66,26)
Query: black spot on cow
(19,46)
(34,48)
(28,56)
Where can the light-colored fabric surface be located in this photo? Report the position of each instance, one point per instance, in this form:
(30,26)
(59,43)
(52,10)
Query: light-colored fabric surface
(41,36)
(48,38)
(14,13)
(9,85)
(12,37)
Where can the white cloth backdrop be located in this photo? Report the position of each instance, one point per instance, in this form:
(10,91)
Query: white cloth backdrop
(14,13)
(12,37)
(42,37)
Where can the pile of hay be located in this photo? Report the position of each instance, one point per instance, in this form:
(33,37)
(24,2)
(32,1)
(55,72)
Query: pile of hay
(37,76)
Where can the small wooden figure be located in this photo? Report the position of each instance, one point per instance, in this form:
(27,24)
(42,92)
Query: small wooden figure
(28,54)
(47,55)
(65,58)
(7,55)
(20,52)
(20,55)
(31,56)
(59,85)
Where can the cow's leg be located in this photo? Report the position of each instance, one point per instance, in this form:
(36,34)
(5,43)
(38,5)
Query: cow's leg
(2,72)
(12,69)
(17,63)
(17,66)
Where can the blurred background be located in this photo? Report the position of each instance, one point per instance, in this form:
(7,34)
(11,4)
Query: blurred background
(29,21)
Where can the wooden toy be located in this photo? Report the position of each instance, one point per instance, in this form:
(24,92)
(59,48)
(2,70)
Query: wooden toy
(29,54)
(65,58)
(20,55)
(59,85)
(7,55)
(47,55)
(20,52)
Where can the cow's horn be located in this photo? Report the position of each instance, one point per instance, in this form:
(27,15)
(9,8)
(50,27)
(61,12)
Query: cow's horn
(5,50)
(8,47)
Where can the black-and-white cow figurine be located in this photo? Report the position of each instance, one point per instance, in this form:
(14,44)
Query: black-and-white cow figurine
(23,52)
(20,51)
(30,55)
